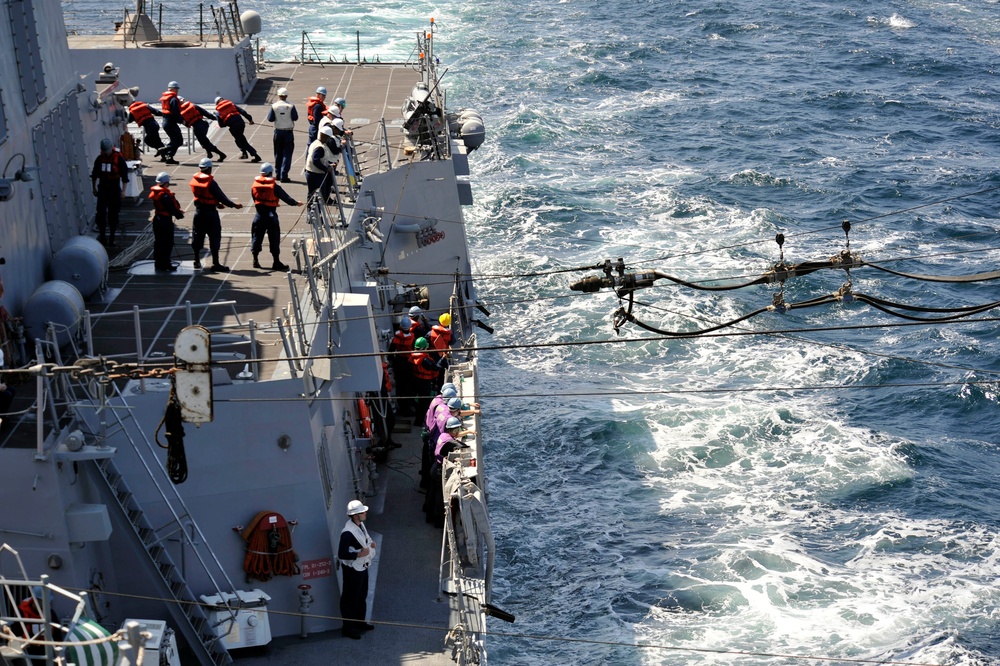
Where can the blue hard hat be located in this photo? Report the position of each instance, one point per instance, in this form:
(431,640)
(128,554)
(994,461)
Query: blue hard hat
(106,145)
(174,84)
(341,102)
(405,323)
(452,423)
(321,90)
(454,403)
(205,163)
(415,310)
(267,168)
(448,391)
(163,178)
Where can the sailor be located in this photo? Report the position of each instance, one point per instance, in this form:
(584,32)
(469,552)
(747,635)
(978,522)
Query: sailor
(108,179)
(165,209)
(283,114)
(440,336)
(448,441)
(321,164)
(315,108)
(402,343)
(231,117)
(338,106)
(142,114)
(432,429)
(426,373)
(421,327)
(266,194)
(208,198)
(194,116)
(355,551)
(170,107)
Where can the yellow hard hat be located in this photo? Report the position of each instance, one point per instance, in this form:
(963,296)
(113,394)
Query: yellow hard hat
(445,319)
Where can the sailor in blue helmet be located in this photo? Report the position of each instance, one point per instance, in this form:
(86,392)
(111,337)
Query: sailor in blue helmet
(266,196)
(356,550)
(170,107)
(208,198)
(231,117)
(108,179)
(315,108)
(450,440)
(165,209)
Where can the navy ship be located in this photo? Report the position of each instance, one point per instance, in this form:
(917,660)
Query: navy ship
(180,448)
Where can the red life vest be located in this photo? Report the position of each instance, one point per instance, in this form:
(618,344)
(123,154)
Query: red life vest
(140,112)
(420,371)
(402,341)
(165,100)
(189,113)
(440,337)
(109,165)
(262,192)
(226,110)
(311,106)
(29,611)
(386,380)
(160,196)
(199,187)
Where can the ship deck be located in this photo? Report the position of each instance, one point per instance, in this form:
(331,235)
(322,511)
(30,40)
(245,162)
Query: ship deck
(410,615)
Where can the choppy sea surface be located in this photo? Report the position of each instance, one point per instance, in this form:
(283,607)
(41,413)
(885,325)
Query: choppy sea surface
(777,498)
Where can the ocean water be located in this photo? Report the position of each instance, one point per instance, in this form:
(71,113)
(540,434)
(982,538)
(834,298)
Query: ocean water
(829,493)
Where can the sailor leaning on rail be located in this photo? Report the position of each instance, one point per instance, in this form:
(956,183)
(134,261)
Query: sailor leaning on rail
(321,164)
(450,440)
(355,551)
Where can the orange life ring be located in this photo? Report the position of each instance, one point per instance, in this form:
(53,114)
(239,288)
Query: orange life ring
(365,419)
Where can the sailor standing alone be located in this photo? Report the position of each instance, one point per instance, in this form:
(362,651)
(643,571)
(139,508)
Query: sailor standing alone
(356,552)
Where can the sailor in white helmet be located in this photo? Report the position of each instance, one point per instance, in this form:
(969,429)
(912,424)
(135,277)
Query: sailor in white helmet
(321,164)
(283,115)
(355,552)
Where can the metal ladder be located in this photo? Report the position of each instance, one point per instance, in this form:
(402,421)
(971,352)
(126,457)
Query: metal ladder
(186,609)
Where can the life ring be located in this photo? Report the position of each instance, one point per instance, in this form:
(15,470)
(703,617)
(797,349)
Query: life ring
(365,419)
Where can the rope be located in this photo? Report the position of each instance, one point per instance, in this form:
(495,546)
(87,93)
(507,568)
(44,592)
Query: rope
(174,431)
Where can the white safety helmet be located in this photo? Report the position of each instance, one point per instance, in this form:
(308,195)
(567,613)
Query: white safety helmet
(267,169)
(205,163)
(321,90)
(282,92)
(354,507)
(338,123)
(218,99)
(415,310)
(327,131)
(453,423)
(163,178)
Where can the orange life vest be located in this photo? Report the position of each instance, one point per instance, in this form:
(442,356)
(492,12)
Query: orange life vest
(440,337)
(365,419)
(109,165)
(160,196)
(226,110)
(262,192)
(165,100)
(189,113)
(311,105)
(199,187)
(386,380)
(402,341)
(420,371)
(29,611)
(140,112)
